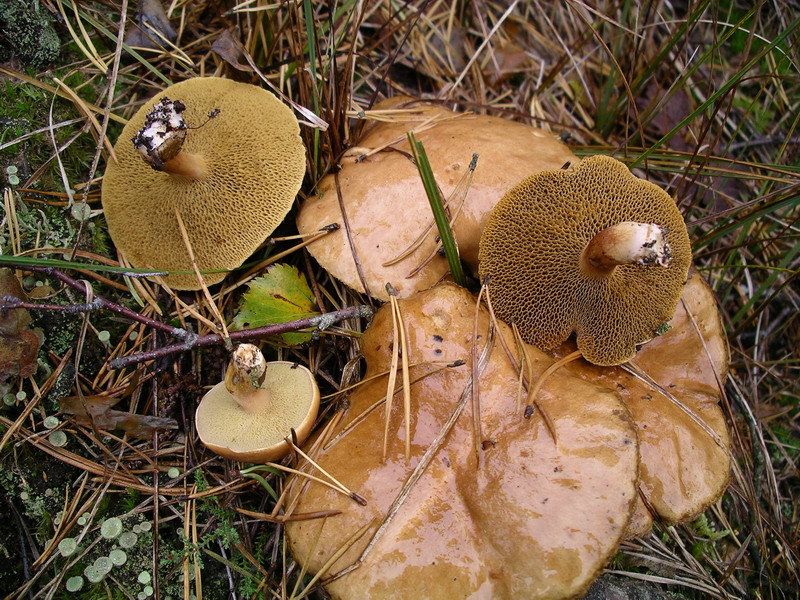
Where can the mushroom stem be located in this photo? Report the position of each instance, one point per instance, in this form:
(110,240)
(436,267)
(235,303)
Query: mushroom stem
(160,141)
(626,243)
(244,377)
(186,164)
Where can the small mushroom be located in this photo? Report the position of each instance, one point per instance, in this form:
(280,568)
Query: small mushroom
(232,177)
(534,519)
(384,200)
(247,416)
(592,250)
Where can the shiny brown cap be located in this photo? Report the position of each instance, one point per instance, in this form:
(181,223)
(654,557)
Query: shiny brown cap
(533,520)
(385,202)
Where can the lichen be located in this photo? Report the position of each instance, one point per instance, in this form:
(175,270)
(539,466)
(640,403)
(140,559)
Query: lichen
(27,32)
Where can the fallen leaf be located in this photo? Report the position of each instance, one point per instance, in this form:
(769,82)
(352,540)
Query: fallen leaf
(279,296)
(19,343)
(150,14)
(96,412)
(228,47)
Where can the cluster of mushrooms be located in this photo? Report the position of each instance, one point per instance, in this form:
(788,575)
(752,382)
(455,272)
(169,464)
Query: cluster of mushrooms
(478,488)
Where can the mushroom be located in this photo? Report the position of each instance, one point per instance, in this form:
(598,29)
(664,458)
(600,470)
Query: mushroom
(534,519)
(592,250)
(385,203)
(247,416)
(231,178)
(685,465)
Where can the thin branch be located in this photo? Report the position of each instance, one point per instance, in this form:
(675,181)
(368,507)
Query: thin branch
(100,302)
(320,322)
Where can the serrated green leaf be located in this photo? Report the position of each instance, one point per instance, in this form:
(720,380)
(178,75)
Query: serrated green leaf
(279,296)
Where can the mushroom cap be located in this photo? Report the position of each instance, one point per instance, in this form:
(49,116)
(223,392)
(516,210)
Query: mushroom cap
(256,163)
(683,469)
(386,204)
(531,249)
(534,520)
(225,428)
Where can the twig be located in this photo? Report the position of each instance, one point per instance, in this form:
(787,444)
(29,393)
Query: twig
(9,302)
(100,302)
(321,322)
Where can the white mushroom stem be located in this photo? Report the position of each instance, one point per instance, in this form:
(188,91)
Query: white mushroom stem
(160,141)
(244,377)
(626,243)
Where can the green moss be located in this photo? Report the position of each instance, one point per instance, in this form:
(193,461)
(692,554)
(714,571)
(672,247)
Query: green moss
(27,32)
(26,108)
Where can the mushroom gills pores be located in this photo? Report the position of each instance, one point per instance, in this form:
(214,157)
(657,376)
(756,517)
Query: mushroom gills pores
(533,254)
(243,170)
(534,519)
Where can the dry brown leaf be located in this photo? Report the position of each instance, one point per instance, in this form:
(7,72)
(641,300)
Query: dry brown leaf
(19,343)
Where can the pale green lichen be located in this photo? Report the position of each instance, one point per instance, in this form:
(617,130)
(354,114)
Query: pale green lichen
(26,31)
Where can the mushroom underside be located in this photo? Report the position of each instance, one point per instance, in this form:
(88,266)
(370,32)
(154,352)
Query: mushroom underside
(255,163)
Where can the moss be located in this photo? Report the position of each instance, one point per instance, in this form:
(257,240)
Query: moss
(27,32)
(26,108)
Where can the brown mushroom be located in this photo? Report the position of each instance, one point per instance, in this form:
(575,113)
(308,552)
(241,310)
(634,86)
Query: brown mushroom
(534,519)
(232,178)
(247,416)
(591,250)
(385,203)
(685,465)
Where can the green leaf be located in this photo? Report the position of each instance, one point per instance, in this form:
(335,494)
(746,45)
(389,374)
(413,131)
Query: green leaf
(279,296)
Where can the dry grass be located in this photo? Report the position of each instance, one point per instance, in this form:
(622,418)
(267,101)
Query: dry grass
(701,97)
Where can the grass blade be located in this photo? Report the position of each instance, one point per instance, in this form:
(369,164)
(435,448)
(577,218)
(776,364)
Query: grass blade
(437,206)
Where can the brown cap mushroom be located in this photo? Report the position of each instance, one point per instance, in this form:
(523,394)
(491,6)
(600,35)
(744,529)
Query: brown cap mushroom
(533,520)
(385,202)
(683,468)
(247,416)
(591,249)
(232,178)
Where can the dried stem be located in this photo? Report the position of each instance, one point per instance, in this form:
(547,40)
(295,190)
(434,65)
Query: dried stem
(189,340)
(321,322)
(98,302)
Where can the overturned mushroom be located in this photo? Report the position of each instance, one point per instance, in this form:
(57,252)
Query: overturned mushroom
(247,416)
(591,250)
(385,202)
(685,452)
(224,157)
(534,519)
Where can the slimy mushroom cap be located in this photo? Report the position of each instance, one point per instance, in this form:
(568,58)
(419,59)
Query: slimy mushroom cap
(534,519)
(683,468)
(253,163)
(541,276)
(385,201)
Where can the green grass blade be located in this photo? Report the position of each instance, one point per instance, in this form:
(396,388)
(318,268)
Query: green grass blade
(437,206)
(23,261)
(724,89)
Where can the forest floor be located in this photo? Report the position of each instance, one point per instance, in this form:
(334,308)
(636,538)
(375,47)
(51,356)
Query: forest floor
(700,97)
